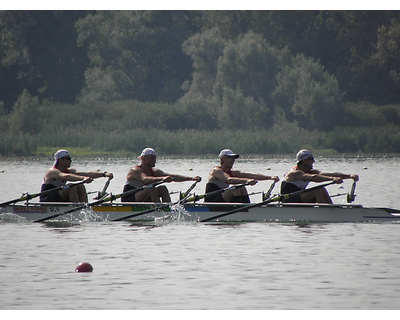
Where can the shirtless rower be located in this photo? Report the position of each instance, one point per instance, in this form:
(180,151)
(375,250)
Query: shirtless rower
(300,176)
(146,173)
(60,173)
(222,176)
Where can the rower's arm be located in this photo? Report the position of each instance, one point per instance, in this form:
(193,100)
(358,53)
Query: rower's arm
(221,175)
(355,177)
(255,176)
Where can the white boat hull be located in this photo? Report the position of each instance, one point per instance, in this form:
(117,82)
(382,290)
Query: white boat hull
(200,211)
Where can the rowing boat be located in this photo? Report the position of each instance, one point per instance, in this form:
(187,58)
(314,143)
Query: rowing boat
(277,212)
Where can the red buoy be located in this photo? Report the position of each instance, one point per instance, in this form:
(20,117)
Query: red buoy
(84,267)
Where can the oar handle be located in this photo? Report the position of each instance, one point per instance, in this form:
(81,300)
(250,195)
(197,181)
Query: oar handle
(184,195)
(268,194)
(352,196)
(102,193)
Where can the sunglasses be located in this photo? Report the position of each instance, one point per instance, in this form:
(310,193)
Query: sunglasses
(66,158)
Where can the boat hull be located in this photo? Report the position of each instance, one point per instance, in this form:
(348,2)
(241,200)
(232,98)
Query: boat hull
(201,211)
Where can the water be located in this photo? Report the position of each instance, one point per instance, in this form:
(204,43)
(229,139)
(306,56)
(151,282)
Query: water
(194,266)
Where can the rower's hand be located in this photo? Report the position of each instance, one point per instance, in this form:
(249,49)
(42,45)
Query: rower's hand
(196,178)
(354,177)
(337,180)
(275,178)
(109,175)
(87,179)
(252,182)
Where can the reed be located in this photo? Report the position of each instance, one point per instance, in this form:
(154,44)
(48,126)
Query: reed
(125,127)
(91,142)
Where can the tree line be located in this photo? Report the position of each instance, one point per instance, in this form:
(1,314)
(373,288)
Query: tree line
(327,71)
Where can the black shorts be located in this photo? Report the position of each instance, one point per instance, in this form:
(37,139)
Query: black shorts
(129,197)
(210,187)
(287,187)
(52,196)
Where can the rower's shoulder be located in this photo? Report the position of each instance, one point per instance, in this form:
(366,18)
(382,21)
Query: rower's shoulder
(136,169)
(294,170)
(53,170)
(217,170)
(294,173)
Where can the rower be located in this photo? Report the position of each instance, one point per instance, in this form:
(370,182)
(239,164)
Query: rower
(222,176)
(300,176)
(60,173)
(146,173)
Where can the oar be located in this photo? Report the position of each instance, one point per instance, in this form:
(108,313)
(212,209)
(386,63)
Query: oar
(184,195)
(184,200)
(351,196)
(31,196)
(276,198)
(102,193)
(338,195)
(268,194)
(108,198)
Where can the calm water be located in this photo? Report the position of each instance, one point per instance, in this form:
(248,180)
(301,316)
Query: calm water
(192,266)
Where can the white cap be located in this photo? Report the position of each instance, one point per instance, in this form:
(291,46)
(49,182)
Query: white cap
(147,152)
(60,154)
(303,154)
(227,153)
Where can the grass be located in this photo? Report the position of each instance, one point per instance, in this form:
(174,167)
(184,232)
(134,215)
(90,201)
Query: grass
(121,128)
(91,143)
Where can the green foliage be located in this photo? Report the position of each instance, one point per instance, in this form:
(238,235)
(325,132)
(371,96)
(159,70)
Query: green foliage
(24,117)
(235,104)
(379,139)
(38,52)
(308,94)
(365,114)
(112,117)
(250,63)
(3,118)
(141,54)
(135,54)
(204,49)
(248,76)
(195,81)
(114,130)
(18,144)
(234,75)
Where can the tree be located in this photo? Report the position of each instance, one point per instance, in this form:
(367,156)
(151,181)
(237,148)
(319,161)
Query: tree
(24,117)
(39,53)
(250,63)
(245,80)
(136,54)
(386,61)
(308,94)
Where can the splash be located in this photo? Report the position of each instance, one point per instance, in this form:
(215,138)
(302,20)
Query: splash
(177,213)
(86,215)
(11,217)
